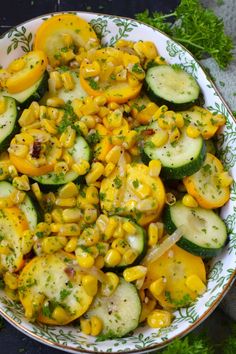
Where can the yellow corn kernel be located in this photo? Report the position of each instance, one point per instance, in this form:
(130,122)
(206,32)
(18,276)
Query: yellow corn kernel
(89,120)
(219,120)
(67,158)
(174,135)
(49,126)
(2,105)
(53,244)
(110,284)
(55,102)
(55,78)
(69,190)
(189,201)
(157,287)
(57,215)
(76,105)
(71,215)
(84,259)
(90,284)
(130,139)
(114,155)
(17,197)
(147,308)
(89,237)
(160,138)
(37,192)
(129,227)
(159,319)
(146,49)
(96,172)
(44,112)
(194,283)
(130,204)
(99,262)
(90,214)
(48,218)
(61,167)
(154,168)
(160,60)
(91,70)
(42,229)
(67,138)
(26,118)
(192,131)
(71,245)
(85,326)
(66,202)
(81,167)
(132,80)
(24,139)
(21,183)
(18,150)
(134,273)
(68,81)
(96,325)
(119,231)
(59,314)
(225,180)
(146,114)
(102,222)
(112,258)
(115,118)
(103,112)
(110,228)
(179,120)
(121,245)
(90,108)
(100,100)
(92,196)
(82,128)
(161,110)
(208,131)
(11,280)
(93,250)
(12,171)
(69,229)
(152,234)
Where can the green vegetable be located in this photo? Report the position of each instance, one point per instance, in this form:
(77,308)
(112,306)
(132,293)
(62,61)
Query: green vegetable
(197,28)
(189,345)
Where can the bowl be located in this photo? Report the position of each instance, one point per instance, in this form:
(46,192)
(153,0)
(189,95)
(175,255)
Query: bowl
(222,268)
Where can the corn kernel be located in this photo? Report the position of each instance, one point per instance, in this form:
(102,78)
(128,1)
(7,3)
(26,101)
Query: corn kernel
(85,326)
(96,326)
(100,100)
(119,231)
(57,216)
(69,229)
(219,120)
(129,256)
(110,228)
(145,115)
(103,112)
(112,258)
(82,128)
(189,201)
(53,244)
(102,222)
(225,180)
(152,234)
(37,192)
(2,105)
(114,155)
(68,81)
(66,202)
(174,135)
(71,245)
(90,108)
(18,150)
(134,273)
(159,112)
(69,190)
(129,227)
(84,259)
(154,168)
(17,197)
(71,215)
(114,119)
(59,314)
(96,172)
(157,287)
(110,284)
(121,245)
(90,214)
(194,283)
(159,319)
(90,284)
(89,120)
(147,308)
(92,195)
(179,120)
(81,167)
(11,280)
(21,183)
(130,139)
(67,138)
(89,237)
(91,70)
(55,77)
(99,262)
(12,171)
(55,102)
(192,131)
(61,167)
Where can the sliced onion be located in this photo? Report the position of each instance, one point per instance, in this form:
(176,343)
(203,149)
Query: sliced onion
(157,251)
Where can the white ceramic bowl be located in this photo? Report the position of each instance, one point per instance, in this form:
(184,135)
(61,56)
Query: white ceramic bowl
(222,270)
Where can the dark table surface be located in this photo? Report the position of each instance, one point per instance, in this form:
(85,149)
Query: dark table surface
(14,12)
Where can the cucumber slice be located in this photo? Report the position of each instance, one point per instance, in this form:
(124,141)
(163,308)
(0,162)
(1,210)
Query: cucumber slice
(119,313)
(28,206)
(171,86)
(33,93)
(77,92)
(205,234)
(179,159)
(8,123)
(80,151)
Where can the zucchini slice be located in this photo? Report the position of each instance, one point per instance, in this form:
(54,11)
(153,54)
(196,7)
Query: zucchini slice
(179,159)
(80,151)
(44,285)
(8,123)
(205,233)
(28,206)
(172,86)
(32,93)
(120,312)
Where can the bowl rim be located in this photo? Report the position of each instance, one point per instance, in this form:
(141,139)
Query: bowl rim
(230,281)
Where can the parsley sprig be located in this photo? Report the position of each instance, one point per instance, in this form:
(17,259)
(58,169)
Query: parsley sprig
(197,28)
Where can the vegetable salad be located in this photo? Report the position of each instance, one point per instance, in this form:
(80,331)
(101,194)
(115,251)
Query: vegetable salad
(108,182)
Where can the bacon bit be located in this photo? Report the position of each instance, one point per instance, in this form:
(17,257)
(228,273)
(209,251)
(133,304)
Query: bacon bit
(148,132)
(36,150)
(70,272)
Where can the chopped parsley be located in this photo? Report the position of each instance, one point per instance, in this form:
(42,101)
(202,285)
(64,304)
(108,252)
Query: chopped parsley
(135,183)
(137,69)
(117,182)
(92,83)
